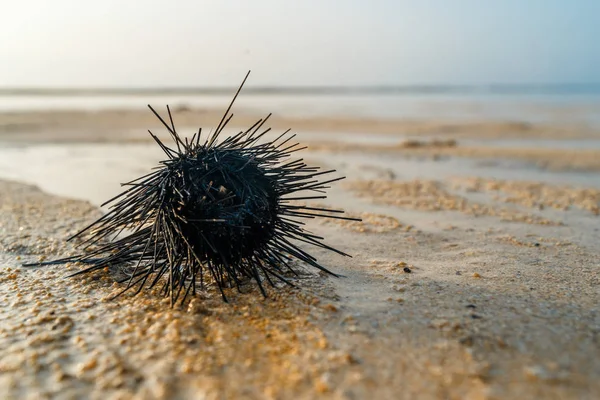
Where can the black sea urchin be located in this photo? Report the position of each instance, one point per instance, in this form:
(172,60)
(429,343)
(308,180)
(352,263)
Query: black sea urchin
(219,211)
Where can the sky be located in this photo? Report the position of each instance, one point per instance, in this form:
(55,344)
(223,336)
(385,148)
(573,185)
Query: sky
(127,43)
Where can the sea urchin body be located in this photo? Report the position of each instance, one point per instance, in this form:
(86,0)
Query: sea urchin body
(213,211)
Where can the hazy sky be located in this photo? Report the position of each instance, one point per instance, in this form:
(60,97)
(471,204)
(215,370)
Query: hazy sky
(214,42)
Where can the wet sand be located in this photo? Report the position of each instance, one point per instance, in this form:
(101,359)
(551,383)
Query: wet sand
(124,125)
(468,281)
(415,138)
(549,158)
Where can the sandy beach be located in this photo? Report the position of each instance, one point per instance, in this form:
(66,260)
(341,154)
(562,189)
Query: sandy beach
(406,137)
(475,272)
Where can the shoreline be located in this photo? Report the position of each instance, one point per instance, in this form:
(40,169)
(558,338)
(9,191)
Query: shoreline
(544,158)
(404,138)
(116,125)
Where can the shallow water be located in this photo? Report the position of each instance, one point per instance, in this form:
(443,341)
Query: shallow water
(93,171)
(383,139)
(86,172)
(566,144)
(426,168)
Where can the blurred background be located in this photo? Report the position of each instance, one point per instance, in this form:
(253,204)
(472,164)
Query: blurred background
(505,83)
(459,59)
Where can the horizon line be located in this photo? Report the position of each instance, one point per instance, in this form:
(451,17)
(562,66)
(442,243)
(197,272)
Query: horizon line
(532,88)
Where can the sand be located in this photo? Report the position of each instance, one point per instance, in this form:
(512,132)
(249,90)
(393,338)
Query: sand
(461,287)
(548,158)
(126,125)
(403,136)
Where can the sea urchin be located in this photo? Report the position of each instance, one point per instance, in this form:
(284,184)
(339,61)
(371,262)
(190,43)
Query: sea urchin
(217,211)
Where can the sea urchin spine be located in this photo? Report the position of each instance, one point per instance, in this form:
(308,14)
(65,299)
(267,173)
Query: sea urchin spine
(219,211)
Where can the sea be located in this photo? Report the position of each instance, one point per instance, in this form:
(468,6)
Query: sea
(555,104)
